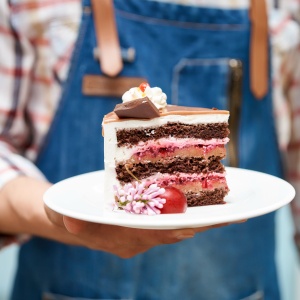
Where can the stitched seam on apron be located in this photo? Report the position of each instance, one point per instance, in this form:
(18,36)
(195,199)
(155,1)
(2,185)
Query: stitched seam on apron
(182,24)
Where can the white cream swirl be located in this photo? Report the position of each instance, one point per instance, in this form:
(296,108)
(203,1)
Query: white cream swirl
(155,94)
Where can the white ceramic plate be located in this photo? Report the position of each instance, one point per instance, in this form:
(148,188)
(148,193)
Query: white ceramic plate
(251,194)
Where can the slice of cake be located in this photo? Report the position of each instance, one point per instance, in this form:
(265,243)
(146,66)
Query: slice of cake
(148,141)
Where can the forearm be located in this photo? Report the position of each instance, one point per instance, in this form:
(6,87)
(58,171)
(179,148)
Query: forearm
(22,210)
(20,204)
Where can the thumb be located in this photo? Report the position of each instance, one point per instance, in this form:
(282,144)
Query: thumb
(74,226)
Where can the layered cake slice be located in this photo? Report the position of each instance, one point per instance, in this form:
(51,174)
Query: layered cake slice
(147,141)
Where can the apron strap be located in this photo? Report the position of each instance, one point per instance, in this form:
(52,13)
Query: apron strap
(259,72)
(108,44)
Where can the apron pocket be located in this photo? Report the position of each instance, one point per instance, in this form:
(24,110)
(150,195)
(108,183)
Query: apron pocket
(201,82)
(215,82)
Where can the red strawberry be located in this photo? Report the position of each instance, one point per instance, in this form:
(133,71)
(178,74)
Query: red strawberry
(143,86)
(175,201)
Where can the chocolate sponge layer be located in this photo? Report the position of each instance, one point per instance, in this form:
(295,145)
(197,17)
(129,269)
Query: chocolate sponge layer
(207,197)
(172,166)
(178,130)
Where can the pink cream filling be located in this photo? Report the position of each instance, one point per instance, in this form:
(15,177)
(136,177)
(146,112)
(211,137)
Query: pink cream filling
(208,181)
(163,146)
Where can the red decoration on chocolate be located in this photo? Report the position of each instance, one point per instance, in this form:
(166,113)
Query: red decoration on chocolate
(143,86)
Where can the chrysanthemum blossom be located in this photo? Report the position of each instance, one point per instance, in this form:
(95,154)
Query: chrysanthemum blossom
(140,198)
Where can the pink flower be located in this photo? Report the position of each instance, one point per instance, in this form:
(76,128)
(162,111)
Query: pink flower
(139,198)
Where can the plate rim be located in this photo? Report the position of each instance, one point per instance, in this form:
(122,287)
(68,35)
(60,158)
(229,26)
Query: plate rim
(164,220)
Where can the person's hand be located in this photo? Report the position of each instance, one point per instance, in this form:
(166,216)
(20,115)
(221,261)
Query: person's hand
(121,241)
(22,211)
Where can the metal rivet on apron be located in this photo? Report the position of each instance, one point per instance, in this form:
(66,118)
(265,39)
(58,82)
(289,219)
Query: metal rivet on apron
(128,55)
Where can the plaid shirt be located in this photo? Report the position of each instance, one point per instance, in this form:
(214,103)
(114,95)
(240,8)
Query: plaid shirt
(37,38)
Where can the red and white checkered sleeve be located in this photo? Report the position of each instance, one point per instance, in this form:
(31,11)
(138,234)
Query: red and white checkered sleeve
(16,62)
(291,74)
(285,33)
(12,85)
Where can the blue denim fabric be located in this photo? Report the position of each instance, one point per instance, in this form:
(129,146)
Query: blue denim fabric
(184,50)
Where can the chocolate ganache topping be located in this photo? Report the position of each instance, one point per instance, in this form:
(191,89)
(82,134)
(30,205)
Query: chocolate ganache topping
(141,108)
(141,102)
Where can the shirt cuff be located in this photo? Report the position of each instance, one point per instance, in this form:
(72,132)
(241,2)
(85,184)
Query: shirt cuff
(6,239)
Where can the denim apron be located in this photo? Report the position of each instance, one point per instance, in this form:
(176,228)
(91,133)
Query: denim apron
(186,51)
